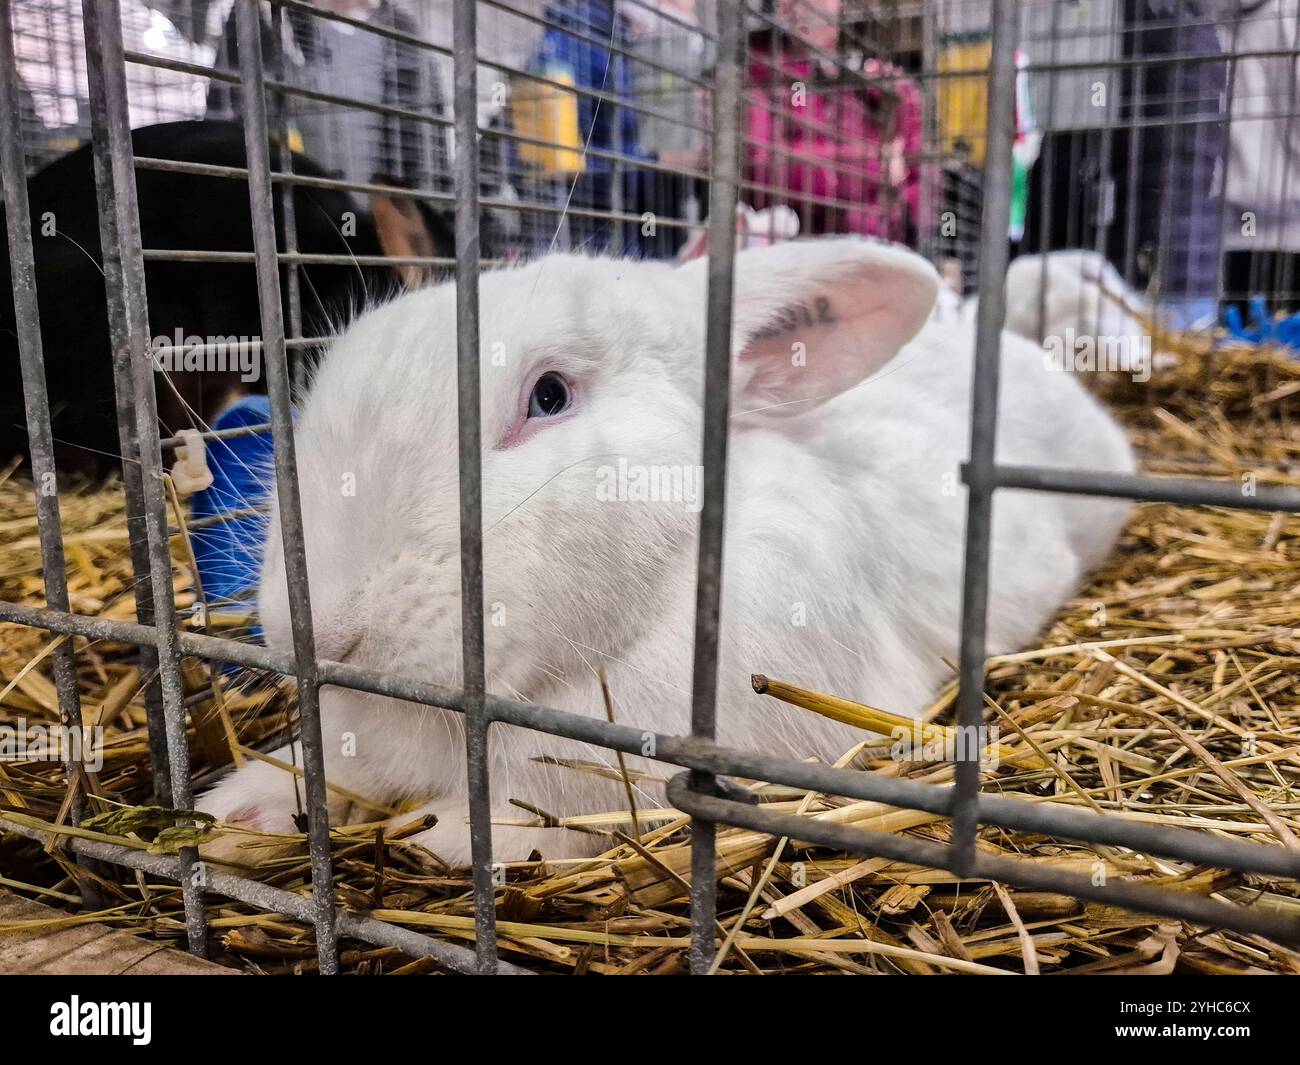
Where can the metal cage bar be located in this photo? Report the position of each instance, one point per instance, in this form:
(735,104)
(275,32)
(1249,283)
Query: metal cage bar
(984,419)
(1175,904)
(133,370)
(432,196)
(37,406)
(469,435)
(708,758)
(297,92)
(717,406)
(257,140)
(703,791)
(254,893)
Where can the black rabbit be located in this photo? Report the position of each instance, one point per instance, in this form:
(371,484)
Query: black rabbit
(188,299)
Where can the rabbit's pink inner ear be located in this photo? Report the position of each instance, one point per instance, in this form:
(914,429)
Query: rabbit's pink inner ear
(828,338)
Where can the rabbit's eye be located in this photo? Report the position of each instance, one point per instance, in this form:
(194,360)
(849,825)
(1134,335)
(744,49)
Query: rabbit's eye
(550,396)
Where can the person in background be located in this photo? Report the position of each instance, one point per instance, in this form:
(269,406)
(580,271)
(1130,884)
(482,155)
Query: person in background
(341,59)
(1261,223)
(1179,195)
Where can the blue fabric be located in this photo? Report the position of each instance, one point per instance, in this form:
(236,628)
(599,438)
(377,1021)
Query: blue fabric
(229,553)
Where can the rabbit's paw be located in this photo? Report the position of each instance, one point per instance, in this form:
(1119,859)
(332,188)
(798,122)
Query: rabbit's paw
(252,806)
(448,840)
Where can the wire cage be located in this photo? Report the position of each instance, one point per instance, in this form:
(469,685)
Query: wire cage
(641,128)
(49,50)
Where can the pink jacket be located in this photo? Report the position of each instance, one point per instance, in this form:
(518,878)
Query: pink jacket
(854,151)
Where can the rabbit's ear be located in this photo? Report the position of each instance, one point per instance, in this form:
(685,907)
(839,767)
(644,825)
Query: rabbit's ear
(814,318)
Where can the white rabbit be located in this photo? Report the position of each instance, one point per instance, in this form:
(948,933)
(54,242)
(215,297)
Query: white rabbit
(844,519)
(1087,311)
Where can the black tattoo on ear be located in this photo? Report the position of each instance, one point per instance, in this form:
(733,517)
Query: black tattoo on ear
(801,315)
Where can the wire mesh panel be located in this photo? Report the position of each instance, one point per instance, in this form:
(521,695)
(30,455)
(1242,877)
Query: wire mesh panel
(348,153)
(49,52)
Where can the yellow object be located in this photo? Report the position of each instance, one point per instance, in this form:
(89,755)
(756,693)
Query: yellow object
(963,101)
(547,112)
(883,722)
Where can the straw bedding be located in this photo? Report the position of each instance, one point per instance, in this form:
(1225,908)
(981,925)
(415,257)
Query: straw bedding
(1197,728)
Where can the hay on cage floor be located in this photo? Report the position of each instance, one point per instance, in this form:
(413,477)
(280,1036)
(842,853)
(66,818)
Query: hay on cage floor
(1187,716)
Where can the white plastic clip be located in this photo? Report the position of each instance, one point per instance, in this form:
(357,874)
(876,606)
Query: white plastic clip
(190,474)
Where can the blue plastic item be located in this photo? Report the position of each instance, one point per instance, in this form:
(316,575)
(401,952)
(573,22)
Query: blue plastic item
(1263,328)
(229,552)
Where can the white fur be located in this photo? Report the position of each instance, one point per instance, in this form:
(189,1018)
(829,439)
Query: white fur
(844,512)
(1079,296)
